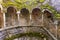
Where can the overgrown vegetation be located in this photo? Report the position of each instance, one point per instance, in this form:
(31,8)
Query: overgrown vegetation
(30,34)
(30,4)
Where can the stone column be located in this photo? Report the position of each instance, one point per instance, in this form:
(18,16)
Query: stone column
(1,19)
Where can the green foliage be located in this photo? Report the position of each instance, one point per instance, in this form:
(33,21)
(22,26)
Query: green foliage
(29,4)
(30,34)
(22,3)
(56,14)
(42,0)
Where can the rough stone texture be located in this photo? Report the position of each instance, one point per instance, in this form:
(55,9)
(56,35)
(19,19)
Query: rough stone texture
(24,17)
(11,17)
(1,19)
(36,17)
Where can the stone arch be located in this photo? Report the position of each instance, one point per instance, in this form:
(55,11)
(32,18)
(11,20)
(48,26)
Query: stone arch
(36,10)
(11,11)
(36,16)
(48,14)
(49,21)
(24,16)
(11,15)
(24,12)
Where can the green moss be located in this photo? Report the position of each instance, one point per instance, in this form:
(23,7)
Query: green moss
(41,35)
(42,0)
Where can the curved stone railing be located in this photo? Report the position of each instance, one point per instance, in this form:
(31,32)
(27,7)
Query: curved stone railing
(17,31)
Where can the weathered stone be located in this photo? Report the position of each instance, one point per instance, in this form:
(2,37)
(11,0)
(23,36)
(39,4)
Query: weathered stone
(36,17)
(49,22)
(1,19)
(24,17)
(11,17)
